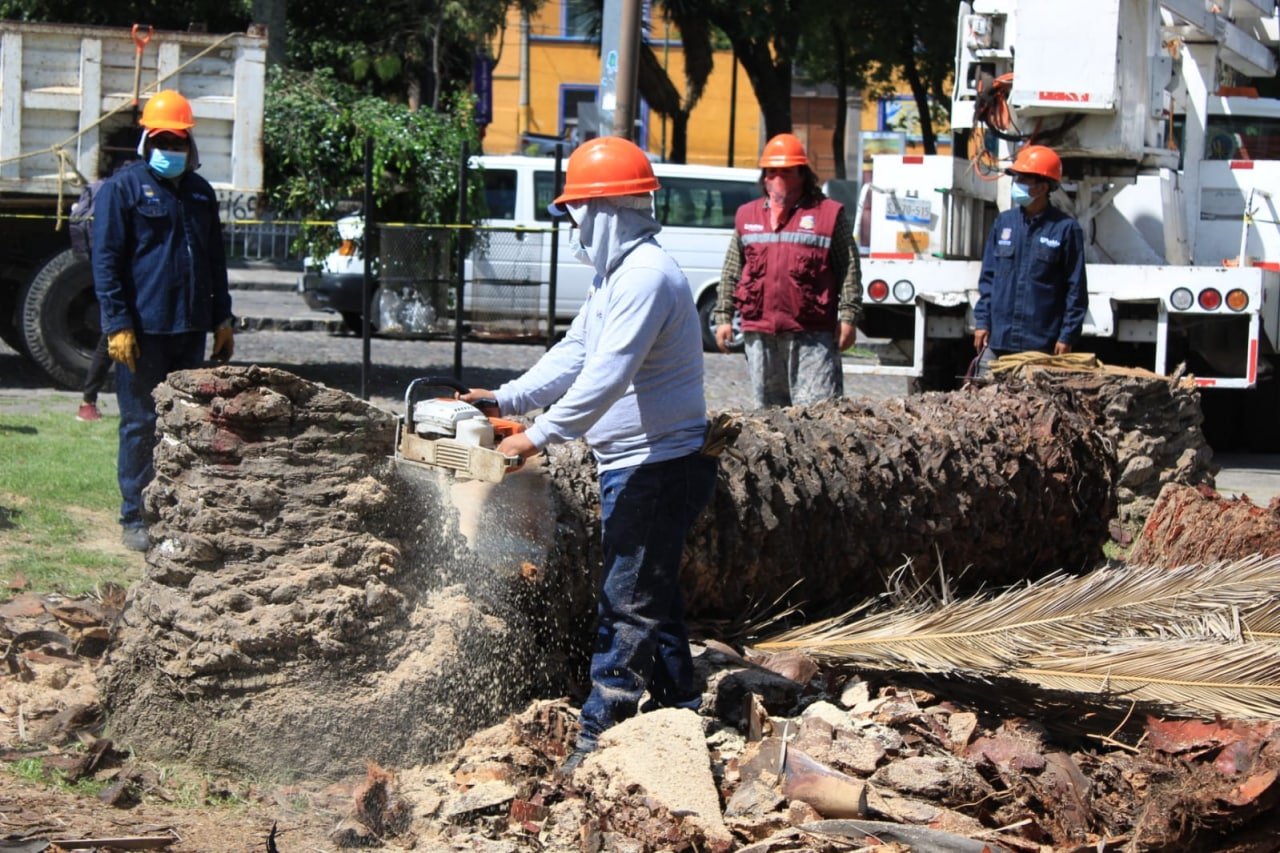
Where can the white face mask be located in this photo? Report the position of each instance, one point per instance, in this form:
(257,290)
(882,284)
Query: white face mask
(578,212)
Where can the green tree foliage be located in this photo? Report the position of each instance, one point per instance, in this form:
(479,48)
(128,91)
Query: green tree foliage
(877,49)
(915,43)
(765,35)
(217,16)
(699,59)
(314,135)
(415,52)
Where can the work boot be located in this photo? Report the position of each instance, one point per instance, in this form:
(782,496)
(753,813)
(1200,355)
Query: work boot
(565,771)
(136,538)
(88,412)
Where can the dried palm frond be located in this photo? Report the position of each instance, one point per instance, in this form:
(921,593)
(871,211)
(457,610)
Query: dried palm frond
(1262,621)
(1058,612)
(1204,677)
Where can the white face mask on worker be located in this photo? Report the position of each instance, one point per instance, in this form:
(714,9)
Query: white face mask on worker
(578,212)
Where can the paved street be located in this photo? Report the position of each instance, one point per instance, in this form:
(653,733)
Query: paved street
(292,337)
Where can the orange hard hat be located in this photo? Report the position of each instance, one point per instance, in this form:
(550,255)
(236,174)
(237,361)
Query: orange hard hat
(1038,160)
(607,166)
(167,110)
(782,151)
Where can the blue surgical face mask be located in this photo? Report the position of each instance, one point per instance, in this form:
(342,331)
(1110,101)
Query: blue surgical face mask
(168,164)
(1020,194)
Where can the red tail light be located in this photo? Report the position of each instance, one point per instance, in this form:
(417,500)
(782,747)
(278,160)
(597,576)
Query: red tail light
(878,290)
(1210,299)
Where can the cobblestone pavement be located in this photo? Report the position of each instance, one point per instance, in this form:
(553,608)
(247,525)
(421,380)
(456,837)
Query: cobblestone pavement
(335,360)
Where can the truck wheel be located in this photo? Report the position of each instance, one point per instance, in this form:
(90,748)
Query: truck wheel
(60,318)
(705,306)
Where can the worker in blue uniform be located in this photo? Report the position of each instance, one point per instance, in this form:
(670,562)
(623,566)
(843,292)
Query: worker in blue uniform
(1032,291)
(160,273)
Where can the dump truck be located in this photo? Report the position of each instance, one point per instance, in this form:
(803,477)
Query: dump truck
(1170,164)
(70,97)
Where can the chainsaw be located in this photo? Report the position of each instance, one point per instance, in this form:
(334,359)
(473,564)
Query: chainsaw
(449,434)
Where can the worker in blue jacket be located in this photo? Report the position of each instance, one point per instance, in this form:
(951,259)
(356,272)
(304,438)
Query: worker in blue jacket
(160,272)
(1032,291)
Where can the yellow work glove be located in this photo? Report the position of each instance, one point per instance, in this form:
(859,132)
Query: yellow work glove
(224,343)
(122,346)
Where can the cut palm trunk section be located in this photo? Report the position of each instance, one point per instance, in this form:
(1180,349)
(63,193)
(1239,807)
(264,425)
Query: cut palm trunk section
(1198,525)
(1180,639)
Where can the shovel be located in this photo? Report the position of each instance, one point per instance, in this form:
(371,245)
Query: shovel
(139,42)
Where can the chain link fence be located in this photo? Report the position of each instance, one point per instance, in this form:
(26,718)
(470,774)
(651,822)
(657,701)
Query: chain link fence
(506,275)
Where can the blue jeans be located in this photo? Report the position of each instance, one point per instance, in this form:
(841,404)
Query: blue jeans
(641,641)
(158,356)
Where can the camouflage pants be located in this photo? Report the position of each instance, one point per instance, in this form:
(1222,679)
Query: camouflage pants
(793,369)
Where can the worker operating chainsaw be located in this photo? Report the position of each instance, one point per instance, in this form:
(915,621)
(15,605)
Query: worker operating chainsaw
(628,378)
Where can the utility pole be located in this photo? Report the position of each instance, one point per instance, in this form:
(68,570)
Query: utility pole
(619,64)
(522,111)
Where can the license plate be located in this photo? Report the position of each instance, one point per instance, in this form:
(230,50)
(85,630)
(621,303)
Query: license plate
(917,211)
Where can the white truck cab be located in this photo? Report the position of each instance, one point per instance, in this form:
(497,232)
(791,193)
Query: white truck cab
(696,206)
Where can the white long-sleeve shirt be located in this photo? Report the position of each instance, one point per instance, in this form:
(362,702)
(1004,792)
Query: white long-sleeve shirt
(627,376)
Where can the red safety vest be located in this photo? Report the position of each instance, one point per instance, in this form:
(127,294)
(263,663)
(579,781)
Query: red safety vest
(787,284)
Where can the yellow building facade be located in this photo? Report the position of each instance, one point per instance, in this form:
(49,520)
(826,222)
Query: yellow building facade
(547,74)
(548,67)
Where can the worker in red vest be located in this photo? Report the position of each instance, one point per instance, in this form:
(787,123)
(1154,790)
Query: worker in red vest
(793,277)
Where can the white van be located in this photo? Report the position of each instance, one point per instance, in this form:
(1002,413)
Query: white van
(508,267)
(696,206)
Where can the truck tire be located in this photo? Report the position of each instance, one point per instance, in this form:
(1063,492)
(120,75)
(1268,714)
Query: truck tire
(60,318)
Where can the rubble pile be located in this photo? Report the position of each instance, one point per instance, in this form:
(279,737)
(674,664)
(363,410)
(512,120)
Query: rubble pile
(292,619)
(785,755)
(838,763)
(1153,423)
(821,504)
(1195,526)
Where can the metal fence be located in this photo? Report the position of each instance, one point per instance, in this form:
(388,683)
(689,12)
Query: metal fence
(267,239)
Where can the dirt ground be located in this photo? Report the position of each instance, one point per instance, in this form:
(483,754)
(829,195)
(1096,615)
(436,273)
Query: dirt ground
(46,711)
(302,819)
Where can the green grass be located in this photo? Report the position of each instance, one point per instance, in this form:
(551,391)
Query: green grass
(59,503)
(34,771)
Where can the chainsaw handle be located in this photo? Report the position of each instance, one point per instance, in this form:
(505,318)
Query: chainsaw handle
(428,382)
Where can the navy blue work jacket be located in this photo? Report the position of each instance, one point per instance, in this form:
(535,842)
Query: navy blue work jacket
(159,266)
(1032,292)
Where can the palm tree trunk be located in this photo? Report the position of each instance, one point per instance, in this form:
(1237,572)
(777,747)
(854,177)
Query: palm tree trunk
(992,486)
